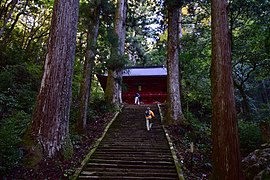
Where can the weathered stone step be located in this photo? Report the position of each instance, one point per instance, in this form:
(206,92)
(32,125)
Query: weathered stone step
(128,134)
(134,145)
(134,139)
(132,162)
(129,169)
(132,158)
(139,137)
(129,151)
(137,155)
(132,128)
(128,173)
(129,166)
(123,177)
(124,133)
(133,131)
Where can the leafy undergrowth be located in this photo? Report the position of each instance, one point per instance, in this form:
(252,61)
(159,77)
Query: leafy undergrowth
(192,150)
(64,169)
(192,143)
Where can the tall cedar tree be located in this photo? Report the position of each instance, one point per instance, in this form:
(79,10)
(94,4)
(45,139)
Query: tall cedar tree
(85,91)
(113,92)
(226,152)
(173,82)
(50,123)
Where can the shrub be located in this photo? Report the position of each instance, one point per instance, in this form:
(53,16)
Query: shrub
(11,131)
(250,136)
(18,87)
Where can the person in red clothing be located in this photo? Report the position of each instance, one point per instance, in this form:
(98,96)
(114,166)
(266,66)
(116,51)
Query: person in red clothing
(149,115)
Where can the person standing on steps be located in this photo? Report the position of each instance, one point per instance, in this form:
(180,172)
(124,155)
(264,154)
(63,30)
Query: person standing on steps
(137,98)
(149,115)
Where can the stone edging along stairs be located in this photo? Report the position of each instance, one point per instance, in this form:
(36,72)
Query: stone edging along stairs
(128,151)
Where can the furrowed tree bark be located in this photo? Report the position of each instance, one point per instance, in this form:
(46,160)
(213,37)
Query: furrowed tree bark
(111,89)
(174,112)
(113,92)
(50,123)
(226,151)
(85,90)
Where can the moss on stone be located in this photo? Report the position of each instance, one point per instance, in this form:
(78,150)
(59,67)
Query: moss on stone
(33,151)
(67,149)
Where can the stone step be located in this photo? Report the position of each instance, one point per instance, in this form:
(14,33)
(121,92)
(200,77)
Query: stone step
(129,151)
(137,155)
(131,158)
(130,174)
(128,169)
(130,145)
(129,166)
(133,161)
(82,177)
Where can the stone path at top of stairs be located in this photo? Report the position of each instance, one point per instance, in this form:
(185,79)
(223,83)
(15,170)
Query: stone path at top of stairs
(129,151)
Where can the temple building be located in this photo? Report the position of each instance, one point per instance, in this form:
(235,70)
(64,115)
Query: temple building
(149,82)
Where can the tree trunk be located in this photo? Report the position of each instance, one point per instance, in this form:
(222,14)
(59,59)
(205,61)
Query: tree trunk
(174,103)
(179,48)
(264,94)
(113,92)
(245,109)
(120,30)
(111,89)
(50,124)
(245,105)
(226,152)
(265,131)
(180,25)
(85,90)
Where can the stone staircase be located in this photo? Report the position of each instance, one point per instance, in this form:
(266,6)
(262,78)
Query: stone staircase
(129,151)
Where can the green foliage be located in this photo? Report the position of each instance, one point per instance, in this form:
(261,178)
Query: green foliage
(250,136)
(198,132)
(99,106)
(195,70)
(195,59)
(24,39)
(11,132)
(144,24)
(250,55)
(198,126)
(116,61)
(18,89)
(157,55)
(263,114)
